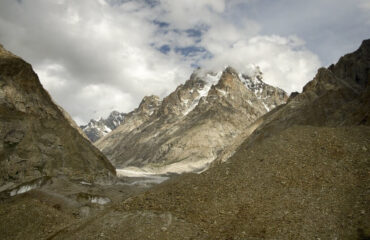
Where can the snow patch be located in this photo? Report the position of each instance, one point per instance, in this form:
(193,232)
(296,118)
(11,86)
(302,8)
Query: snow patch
(133,172)
(223,92)
(140,176)
(100,200)
(106,129)
(23,189)
(85,183)
(209,80)
(266,107)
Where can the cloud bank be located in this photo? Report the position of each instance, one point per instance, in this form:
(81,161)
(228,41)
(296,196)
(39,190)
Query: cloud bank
(95,56)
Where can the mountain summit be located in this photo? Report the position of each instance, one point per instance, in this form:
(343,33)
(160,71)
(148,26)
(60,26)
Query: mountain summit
(194,125)
(96,129)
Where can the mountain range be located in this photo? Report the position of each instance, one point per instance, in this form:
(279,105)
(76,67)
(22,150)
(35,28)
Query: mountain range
(194,125)
(96,129)
(259,165)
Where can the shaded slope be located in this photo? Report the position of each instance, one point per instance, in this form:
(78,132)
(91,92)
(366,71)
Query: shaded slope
(304,183)
(37,139)
(96,129)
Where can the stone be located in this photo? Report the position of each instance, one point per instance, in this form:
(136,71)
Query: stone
(13,137)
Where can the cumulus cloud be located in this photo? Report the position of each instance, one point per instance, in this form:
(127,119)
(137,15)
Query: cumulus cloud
(330,28)
(78,45)
(284,60)
(94,56)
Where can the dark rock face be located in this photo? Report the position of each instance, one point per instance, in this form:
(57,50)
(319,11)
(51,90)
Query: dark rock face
(37,139)
(13,137)
(192,126)
(96,129)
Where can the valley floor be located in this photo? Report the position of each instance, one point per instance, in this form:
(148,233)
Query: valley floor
(303,183)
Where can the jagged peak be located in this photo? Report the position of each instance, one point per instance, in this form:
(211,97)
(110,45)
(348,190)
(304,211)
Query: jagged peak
(251,77)
(230,70)
(252,73)
(201,73)
(114,113)
(149,100)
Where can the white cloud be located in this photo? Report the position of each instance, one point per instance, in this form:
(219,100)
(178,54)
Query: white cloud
(94,56)
(189,13)
(283,60)
(364,5)
(78,45)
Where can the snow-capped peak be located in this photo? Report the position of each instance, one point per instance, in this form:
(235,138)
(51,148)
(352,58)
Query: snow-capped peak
(95,129)
(209,79)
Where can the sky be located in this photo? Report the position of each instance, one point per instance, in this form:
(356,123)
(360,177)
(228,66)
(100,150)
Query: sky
(96,56)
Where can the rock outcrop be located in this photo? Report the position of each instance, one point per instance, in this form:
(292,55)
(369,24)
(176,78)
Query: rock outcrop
(192,126)
(37,138)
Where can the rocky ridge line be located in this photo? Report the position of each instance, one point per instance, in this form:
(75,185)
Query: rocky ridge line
(193,125)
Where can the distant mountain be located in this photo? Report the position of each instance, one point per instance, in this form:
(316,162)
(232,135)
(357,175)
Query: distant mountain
(96,129)
(197,123)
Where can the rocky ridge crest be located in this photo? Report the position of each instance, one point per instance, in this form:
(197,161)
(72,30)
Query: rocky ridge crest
(193,125)
(96,129)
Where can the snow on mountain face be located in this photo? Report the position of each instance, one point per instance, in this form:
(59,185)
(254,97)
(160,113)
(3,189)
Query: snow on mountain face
(209,79)
(253,80)
(96,129)
(186,98)
(114,120)
(197,123)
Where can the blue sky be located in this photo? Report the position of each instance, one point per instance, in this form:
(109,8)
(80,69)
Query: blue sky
(95,56)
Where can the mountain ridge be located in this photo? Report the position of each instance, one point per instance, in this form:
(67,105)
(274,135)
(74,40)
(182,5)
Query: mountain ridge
(300,171)
(302,174)
(190,127)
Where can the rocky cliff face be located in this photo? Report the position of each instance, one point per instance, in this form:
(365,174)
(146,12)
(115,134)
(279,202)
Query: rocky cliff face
(192,126)
(37,138)
(96,129)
